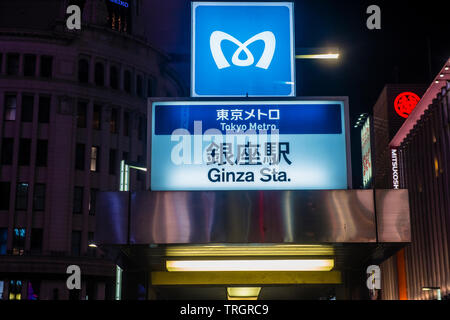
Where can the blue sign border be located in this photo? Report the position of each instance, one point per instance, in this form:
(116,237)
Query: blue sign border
(290,6)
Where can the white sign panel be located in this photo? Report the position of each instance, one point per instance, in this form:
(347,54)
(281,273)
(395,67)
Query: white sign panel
(249,145)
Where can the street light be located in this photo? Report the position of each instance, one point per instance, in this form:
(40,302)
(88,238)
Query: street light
(124,184)
(318,56)
(437,289)
(317,53)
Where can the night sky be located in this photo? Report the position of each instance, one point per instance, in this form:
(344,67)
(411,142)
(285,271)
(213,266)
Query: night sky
(411,47)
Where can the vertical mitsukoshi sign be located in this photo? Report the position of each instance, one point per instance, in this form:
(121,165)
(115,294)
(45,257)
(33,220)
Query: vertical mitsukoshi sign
(366,153)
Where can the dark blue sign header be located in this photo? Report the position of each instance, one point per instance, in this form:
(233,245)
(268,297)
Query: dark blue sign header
(287,118)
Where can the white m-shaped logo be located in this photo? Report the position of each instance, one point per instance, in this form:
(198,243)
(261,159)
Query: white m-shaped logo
(264,62)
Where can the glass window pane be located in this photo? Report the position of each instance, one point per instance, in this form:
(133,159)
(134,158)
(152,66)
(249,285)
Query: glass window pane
(46,66)
(113,121)
(93,201)
(112,161)
(36,241)
(10,107)
(3,240)
(114,78)
(44,109)
(12,64)
(96,123)
(22,196)
(126,124)
(19,241)
(7,151)
(83,71)
(5,189)
(41,153)
(81,114)
(79,156)
(24,152)
(29,68)
(76,243)
(94,158)
(99,76)
(27,108)
(39,197)
(127,81)
(78,200)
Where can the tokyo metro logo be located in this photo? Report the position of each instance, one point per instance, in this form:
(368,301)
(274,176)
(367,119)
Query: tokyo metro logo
(219,58)
(242,49)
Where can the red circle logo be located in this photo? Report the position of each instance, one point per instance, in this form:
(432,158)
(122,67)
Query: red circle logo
(405,103)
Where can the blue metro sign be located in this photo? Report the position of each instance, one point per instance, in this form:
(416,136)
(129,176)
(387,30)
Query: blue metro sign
(242,49)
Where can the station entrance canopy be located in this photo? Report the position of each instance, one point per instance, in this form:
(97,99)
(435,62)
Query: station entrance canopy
(350,227)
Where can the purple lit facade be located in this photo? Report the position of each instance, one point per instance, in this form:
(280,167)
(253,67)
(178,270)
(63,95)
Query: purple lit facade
(72,106)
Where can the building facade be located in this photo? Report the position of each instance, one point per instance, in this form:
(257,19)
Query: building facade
(422,270)
(386,122)
(72,106)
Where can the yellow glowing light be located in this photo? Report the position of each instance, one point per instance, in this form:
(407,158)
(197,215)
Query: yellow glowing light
(248,250)
(243,293)
(318,56)
(251,265)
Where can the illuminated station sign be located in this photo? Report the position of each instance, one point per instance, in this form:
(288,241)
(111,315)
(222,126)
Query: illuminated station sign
(249,145)
(242,49)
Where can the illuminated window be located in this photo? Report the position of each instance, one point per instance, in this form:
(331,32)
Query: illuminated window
(22,196)
(114,77)
(78,200)
(39,197)
(119,15)
(5,189)
(79,156)
(18,241)
(10,107)
(113,121)
(95,158)
(436,167)
(81,114)
(97,121)
(41,153)
(15,290)
(83,71)
(27,108)
(7,151)
(29,65)
(3,242)
(46,66)
(24,152)
(12,64)
(99,76)
(44,109)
